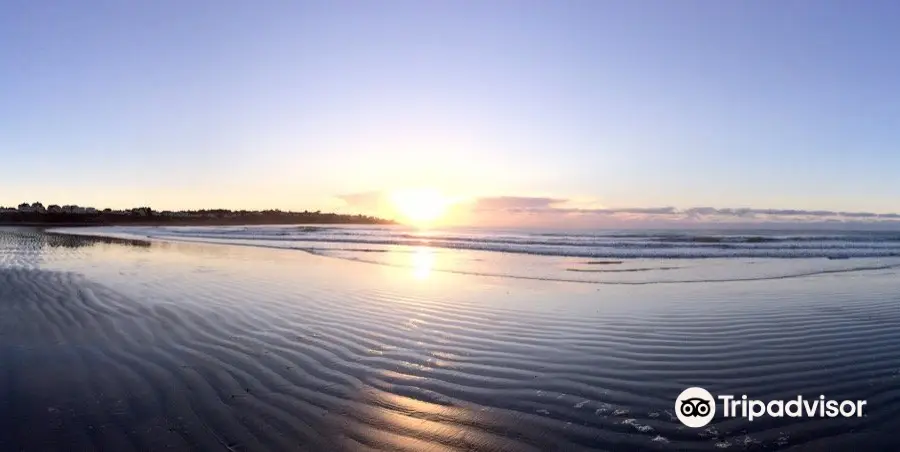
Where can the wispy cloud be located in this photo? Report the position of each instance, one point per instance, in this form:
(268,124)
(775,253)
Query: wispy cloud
(520,203)
(558,206)
(556,210)
(368,200)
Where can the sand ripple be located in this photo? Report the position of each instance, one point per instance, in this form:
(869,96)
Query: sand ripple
(112,347)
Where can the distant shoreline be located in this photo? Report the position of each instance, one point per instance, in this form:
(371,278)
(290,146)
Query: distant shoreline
(152,224)
(35,219)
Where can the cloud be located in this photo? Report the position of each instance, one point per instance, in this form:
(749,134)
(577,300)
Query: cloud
(516,203)
(748,212)
(861,214)
(557,206)
(522,210)
(524,204)
(641,210)
(363,198)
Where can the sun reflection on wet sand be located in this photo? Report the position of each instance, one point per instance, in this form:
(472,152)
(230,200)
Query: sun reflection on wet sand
(422,262)
(398,422)
(267,349)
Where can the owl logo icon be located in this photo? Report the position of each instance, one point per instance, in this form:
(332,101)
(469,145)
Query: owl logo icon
(695,407)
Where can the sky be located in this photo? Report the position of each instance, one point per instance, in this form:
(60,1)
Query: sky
(586,108)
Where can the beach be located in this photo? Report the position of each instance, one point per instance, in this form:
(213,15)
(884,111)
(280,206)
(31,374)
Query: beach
(204,343)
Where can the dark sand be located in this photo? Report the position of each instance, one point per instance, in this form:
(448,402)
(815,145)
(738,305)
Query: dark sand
(120,346)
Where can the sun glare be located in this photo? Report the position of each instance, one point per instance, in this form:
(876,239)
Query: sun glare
(419,207)
(422,261)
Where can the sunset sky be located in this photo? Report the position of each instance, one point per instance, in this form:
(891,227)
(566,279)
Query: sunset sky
(506,109)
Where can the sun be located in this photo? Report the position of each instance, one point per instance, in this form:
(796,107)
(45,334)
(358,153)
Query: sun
(419,207)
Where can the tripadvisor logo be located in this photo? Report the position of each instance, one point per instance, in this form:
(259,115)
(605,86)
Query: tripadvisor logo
(696,407)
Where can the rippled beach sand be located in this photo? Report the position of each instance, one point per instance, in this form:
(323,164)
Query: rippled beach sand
(128,345)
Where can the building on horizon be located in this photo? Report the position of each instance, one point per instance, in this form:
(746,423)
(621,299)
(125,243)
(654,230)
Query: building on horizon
(34,207)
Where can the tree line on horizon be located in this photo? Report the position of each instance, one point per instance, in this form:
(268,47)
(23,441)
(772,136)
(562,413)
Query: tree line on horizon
(55,214)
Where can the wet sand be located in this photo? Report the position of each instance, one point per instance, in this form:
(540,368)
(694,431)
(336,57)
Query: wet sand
(128,345)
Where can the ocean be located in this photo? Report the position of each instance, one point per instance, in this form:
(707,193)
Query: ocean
(602,257)
(615,244)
